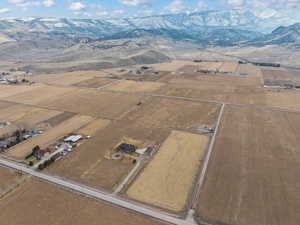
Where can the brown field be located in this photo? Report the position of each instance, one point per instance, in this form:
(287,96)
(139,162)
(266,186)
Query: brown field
(15,112)
(51,205)
(281,77)
(44,140)
(4,105)
(94,82)
(94,103)
(26,115)
(55,120)
(39,95)
(167,180)
(229,67)
(149,123)
(211,66)
(284,99)
(133,86)
(215,91)
(9,180)
(201,81)
(63,79)
(248,91)
(88,163)
(37,115)
(10,90)
(173,114)
(172,66)
(253,174)
(93,127)
(251,70)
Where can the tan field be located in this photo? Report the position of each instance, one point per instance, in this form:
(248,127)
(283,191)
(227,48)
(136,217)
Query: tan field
(63,79)
(94,103)
(211,66)
(220,81)
(94,82)
(93,127)
(44,140)
(10,179)
(15,112)
(37,115)
(173,114)
(149,123)
(281,77)
(133,86)
(283,99)
(229,67)
(253,173)
(39,95)
(26,115)
(4,104)
(166,182)
(51,205)
(88,163)
(250,69)
(172,66)
(10,90)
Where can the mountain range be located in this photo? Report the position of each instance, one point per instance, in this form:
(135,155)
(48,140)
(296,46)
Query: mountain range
(220,28)
(53,44)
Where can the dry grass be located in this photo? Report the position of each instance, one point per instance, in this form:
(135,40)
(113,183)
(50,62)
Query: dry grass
(10,90)
(94,103)
(229,67)
(47,138)
(93,127)
(39,203)
(133,86)
(39,94)
(254,168)
(64,78)
(26,115)
(9,180)
(94,82)
(251,70)
(172,66)
(167,180)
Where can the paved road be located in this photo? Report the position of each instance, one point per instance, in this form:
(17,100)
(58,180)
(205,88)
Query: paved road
(98,194)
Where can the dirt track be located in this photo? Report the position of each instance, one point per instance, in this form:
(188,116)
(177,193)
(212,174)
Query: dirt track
(253,174)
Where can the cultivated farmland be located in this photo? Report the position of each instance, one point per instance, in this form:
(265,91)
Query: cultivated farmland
(10,179)
(76,209)
(253,172)
(168,179)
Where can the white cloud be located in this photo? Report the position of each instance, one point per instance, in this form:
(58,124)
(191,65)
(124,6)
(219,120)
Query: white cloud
(202,5)
(135,2)
(77,6)
(4,10)
(176,6)
(117,12)
(48,3)
(236,3)
(25,4)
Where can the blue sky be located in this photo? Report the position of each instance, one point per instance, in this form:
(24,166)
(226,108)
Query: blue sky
(128,8)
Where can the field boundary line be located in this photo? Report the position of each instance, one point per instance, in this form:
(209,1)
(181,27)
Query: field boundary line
(97,194)
(207,158)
